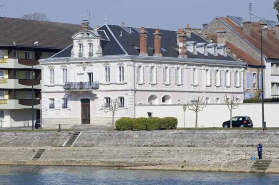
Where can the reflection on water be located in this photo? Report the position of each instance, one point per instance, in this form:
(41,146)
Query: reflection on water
(37,175)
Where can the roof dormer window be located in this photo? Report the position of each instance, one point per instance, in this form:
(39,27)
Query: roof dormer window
(80,50)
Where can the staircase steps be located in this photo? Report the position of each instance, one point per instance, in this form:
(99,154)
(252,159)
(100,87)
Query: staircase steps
(260,165)
(39,154)
(73,137)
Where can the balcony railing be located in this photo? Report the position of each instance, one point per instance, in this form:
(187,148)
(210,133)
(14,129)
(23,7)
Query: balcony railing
(28,102)
(76,86)
(28,82)
(28,62)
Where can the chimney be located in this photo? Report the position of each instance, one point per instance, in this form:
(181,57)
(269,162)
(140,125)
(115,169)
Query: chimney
(177,36)
(247,28)
(85,24)
(204,25)
(143,42)
(276,31)
(188,31)
(221,36)
(264,31)
(182,45)
(157,43)
(123,23)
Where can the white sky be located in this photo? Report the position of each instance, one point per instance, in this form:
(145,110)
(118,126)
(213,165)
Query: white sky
(164,14)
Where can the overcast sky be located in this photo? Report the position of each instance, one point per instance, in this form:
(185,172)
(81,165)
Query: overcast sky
(164,14)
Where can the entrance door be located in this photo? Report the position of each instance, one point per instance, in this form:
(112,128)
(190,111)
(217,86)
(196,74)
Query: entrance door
(85,111)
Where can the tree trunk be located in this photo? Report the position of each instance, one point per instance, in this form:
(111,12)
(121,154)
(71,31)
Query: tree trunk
(231,118)
(113,119)
(196,120)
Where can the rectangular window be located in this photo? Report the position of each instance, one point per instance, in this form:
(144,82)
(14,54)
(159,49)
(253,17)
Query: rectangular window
(121,74)
(2,74)
(218,78)
(121,102)
(28,75)
(274,69)
(2,55)
(107,102)
(254,80)
(178,75)
(237,78)
(228,78)
(51,103)
(15,54)
(65,75)
(28,95)
(90,54)
(140,74)
(153,75)
(274,88)
(2,115)
(90,78)
(28,55)
(2,94)
(80,50)
(64,103)
(107,73)
(166,75)
(208,77)
(51,76)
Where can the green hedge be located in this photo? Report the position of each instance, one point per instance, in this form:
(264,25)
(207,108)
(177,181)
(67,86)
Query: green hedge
(146,124)
(124,124)
(168,123)
(258,100)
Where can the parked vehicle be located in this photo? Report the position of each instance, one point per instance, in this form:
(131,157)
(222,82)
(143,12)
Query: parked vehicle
(38,124)
(239,121)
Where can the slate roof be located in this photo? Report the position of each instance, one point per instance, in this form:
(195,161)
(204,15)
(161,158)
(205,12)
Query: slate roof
(24,33)
(270,44)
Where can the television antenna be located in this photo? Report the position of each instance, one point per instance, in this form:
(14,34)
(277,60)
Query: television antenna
(250,11)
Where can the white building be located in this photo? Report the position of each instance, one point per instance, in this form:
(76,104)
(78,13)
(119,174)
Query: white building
(137,66)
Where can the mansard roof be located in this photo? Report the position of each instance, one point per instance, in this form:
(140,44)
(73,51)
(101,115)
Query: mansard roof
(122,40)
(21,32)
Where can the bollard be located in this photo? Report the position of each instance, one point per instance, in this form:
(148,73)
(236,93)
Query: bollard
(59,128)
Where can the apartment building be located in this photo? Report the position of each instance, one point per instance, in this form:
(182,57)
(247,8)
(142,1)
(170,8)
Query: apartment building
(22,44)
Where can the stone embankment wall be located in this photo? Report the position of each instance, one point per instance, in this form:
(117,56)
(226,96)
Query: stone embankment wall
(164,150)
(176,138)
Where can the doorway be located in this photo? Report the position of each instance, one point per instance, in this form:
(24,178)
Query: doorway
(85,111)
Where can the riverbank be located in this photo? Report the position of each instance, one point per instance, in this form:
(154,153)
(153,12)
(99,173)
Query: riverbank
(226,151)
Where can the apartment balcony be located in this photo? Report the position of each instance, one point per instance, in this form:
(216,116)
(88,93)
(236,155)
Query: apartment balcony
(11,63)
(19,84)
(81,86)
(19,104)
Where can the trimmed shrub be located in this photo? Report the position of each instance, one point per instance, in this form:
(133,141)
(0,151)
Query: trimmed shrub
(139,124)
(124,124)
(168,123)
(153,123)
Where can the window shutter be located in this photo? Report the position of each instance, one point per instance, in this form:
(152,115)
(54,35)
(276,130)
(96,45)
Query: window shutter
(176,76)
(182,75)
(156,75)
(260,80)
(126,102)
(150,74)
(164,75)
(248,80)
(143,74)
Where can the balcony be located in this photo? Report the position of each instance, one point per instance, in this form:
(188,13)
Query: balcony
(19,63)
(81,86)
(28,102)
(19,104)
(28,62)
(19,84)
(28,82)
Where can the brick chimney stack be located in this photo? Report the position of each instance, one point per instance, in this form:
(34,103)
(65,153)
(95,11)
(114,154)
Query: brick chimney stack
(221,36)
(247,28)
(264,30)
(157,43)
(276,31)
(188,31)
(123,23)
(85,24)
(182,44)
(143,42)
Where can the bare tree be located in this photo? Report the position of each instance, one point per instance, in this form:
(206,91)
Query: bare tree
(111,106)
(197,106)
(232,103)
(35,17)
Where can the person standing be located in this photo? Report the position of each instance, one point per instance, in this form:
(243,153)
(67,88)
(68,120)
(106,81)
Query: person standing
(260,150)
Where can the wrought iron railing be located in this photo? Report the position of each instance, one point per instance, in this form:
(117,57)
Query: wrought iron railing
(81,85)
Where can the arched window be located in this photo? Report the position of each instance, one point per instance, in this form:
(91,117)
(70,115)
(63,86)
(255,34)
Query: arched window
(153,100)
(121,101)
(90,46)
(166,99)
(80,50)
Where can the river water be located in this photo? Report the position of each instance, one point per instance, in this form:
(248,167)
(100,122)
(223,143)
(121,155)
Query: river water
(49,175)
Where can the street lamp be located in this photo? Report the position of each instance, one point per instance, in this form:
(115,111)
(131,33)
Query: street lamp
(36,43)
(262,66)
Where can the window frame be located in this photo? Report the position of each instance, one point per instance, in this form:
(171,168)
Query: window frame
(121,103)
(107,74)
(28,55)
(51,103)
(28,75)
(64,75)
(51,76)
(65,103)
(107,102)
(121,74)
